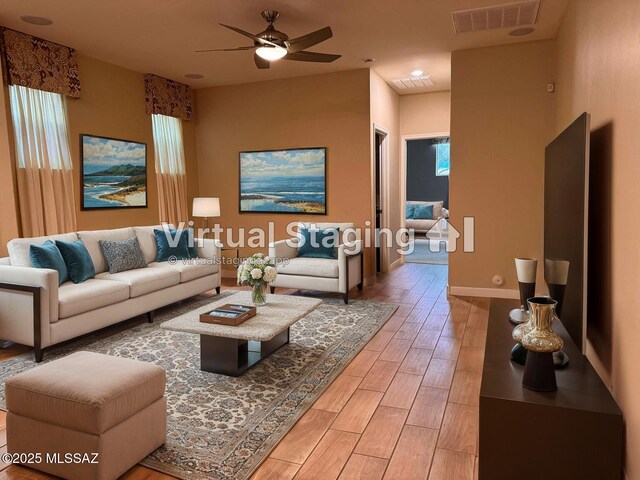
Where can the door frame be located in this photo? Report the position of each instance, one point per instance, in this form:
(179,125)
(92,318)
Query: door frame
(384,188)
(403,169)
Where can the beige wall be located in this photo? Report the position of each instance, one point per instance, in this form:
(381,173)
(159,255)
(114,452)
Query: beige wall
(501,121)
(329,110)
(425,113)
(385,114)
(112,105)
(598,67)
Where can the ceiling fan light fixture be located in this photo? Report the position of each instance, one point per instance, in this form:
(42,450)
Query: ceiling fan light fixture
(271,53)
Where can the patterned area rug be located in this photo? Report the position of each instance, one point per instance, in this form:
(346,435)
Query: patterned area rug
(223,427)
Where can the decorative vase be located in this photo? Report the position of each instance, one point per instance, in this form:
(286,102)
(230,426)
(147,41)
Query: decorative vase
(541,342)
(518,352)
(526,271)
(556,274)
(258,294)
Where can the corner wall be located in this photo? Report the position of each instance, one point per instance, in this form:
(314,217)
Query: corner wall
(385,113)
(328,110)
(501,121)
(598,67)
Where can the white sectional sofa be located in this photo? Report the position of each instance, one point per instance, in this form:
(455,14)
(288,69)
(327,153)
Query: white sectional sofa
(70,310)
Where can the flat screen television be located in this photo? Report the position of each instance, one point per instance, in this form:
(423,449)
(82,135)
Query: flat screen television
(566,218)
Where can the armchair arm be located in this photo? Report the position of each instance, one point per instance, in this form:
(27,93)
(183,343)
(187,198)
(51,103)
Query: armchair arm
(283,249)
(350,265)
(208,248)
(16,304)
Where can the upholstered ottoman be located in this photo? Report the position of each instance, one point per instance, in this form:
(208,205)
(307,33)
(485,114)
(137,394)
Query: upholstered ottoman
(87,403)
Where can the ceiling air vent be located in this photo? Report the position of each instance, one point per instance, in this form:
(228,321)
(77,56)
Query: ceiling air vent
(509,15)
(413,82)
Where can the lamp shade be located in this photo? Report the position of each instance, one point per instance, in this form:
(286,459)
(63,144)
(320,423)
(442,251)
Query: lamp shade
(206,207)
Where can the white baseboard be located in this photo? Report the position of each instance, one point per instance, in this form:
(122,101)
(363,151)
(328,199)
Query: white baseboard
(483,292)
(395,265)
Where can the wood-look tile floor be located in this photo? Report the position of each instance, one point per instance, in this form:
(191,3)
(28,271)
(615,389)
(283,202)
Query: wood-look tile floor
(406,407)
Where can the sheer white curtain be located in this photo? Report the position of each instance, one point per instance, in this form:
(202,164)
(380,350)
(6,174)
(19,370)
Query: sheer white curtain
(44,173)
(170,169)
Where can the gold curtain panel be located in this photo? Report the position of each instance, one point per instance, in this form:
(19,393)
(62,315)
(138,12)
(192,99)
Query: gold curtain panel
(36,63)
(167,97)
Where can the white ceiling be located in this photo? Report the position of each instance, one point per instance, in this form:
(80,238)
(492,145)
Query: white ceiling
(161,36)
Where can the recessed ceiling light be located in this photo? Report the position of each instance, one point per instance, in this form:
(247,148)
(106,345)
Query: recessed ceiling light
(416,73)
(519,32)
(368,60)
(195,76)
(36,20)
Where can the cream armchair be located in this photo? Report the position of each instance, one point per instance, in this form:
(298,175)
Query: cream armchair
(321,274)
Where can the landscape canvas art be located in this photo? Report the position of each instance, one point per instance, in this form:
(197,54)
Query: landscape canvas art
(284,181)
(114,173)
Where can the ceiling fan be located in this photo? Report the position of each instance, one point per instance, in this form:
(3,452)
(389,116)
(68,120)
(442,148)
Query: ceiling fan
(271,44)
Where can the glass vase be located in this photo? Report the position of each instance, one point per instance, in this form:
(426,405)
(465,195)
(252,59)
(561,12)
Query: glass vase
(258,294)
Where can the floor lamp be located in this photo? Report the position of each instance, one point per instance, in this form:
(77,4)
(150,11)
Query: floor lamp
(206,207)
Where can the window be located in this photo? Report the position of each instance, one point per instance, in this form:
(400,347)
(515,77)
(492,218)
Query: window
(169,149)
(40,126)
(442,159)
(170,169)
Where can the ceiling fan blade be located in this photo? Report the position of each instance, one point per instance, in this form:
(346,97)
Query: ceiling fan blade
(311,57)
(261,63)
(250,35)
(309,40)
(226,49)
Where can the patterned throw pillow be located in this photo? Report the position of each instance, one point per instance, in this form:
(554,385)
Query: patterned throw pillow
(123,255)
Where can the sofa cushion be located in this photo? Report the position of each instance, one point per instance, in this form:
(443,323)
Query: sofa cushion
(420,225)
(309,267)
(77,259)
(76,298)
(123,255)
(147,241)
(19,247)
(174,244)
(190,269)
(91,239)
(85,391)
(143,280)
(317,243)
(423,212)
(47,255)
(437,207)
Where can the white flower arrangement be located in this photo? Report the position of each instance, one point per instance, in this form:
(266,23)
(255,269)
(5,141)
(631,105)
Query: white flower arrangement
(257,269)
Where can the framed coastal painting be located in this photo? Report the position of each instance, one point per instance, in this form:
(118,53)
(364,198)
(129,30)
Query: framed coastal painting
(284,181)
(114,173)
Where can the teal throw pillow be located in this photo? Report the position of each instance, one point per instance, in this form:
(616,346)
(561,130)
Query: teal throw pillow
(47,255)
(409,210)
(423,212)
(173,244)
(77,259)
(319,243)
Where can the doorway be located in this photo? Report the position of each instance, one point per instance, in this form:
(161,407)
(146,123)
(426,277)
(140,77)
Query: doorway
(426,196)
(380,162)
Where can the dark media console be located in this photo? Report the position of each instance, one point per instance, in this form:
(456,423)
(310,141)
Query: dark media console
(574,433)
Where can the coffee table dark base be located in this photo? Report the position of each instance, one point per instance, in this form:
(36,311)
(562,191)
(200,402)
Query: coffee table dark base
(230,356)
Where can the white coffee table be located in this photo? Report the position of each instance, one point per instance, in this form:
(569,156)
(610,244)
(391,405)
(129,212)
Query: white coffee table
(232,350)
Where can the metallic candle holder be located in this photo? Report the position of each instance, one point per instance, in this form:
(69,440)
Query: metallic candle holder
(541,342)
(556,275)
(526,271)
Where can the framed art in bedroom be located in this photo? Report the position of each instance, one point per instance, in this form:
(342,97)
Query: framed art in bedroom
(284,181)
(114,173)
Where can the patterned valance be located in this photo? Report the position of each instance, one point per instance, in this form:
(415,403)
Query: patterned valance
(36,63)
(166,97)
